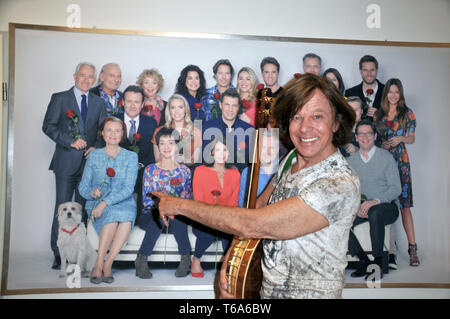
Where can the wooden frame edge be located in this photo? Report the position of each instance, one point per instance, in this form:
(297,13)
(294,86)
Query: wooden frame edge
(229,36)
(9,160)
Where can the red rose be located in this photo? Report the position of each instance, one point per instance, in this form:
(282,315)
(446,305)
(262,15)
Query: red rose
(297,75)
(198,106)
(242,145)
(260,86)
(216,193)
(389,123)
(369,91)
(246,104)
(110,172)
(175,182)
(148,107)
(216,96)
(120,102)
(70,113)
(137,136)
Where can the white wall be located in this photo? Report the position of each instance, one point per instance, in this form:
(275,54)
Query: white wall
(401,20)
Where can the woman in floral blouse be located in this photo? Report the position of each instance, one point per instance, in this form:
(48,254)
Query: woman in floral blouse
(169,177)
(396,124)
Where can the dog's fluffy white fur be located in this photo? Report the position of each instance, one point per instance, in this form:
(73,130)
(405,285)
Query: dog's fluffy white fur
(74,247)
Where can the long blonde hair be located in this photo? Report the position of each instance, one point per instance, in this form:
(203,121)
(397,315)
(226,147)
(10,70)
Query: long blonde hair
(187,115)
(254,81)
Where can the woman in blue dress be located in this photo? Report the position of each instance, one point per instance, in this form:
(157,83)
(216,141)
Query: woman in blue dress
(191,84)
(108,184)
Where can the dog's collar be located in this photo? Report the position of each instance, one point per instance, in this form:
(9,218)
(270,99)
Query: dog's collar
(72,231)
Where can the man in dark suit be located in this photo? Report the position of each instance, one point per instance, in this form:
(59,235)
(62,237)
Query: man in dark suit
(109,79)
(139,134)
(72,121)
(229,129)
(370,89)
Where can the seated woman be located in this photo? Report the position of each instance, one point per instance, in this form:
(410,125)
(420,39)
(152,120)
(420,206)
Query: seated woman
(169,177)
(221,188)
(152,82)
(191,85)
(178,117)
(108,184)
(246,87)
(268,165)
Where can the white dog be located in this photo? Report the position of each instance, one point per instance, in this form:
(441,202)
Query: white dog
(72,240)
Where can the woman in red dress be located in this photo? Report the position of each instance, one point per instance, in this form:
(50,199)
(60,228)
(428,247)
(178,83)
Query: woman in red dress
(215,184)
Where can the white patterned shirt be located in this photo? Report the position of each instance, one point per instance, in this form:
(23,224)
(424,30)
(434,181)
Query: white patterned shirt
(313,266)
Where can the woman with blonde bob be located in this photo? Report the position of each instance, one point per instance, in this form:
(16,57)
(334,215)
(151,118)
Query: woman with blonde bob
(152,82)
(178,117)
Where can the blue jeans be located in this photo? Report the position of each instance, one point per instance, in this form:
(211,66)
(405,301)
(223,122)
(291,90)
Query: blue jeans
(154,227)
(206,236)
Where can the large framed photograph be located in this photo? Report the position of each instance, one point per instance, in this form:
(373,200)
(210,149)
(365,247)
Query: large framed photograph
(43,60)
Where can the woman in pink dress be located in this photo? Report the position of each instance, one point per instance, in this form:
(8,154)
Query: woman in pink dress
(246,87)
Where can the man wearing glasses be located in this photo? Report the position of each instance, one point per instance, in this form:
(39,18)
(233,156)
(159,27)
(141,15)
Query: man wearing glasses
(380,185)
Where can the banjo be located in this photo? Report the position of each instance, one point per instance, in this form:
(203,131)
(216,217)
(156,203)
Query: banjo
(243,266)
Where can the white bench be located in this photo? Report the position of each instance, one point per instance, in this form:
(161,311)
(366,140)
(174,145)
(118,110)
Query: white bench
(133,243)
(362,232)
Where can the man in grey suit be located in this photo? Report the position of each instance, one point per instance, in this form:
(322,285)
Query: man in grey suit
(72,121)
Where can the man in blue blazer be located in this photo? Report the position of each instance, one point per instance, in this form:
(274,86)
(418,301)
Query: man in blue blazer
(237,134)
(72,121)
(144,127)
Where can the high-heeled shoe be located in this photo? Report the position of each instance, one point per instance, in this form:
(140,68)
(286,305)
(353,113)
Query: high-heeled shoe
(413,258)
(197,274)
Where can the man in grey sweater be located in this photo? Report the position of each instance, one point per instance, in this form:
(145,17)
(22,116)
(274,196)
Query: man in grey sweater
(380,185)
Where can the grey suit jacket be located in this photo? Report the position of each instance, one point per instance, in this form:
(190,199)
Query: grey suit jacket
(67,160)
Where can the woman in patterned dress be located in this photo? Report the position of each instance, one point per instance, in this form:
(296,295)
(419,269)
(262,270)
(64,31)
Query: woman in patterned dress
(397,123)
(109,194)
(169,177)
